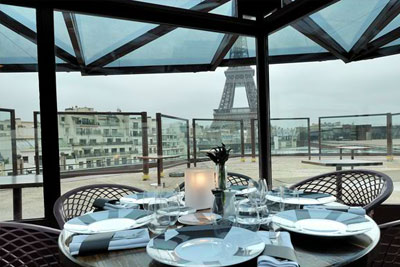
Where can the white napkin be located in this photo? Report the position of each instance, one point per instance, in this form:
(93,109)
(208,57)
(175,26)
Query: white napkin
(354,210)
(121,240)
(267,261)
(283,239)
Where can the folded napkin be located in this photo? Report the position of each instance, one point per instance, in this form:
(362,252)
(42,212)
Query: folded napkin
(98,243)
(354,210)
(111,204)
(278,252)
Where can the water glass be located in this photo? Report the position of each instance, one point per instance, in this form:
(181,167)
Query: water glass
(160,220)
(174,207)
(247,215)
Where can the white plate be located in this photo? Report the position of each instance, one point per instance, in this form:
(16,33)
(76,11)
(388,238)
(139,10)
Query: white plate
(199,218)
(302,200)
(323,222)
(205,246)
(108,221)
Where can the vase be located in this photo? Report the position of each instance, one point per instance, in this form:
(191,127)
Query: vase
(220,170)
(224,203)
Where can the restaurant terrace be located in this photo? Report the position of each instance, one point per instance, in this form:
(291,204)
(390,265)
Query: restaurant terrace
(133,180)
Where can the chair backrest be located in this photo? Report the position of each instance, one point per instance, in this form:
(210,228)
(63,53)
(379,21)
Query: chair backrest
(232,177)
(387,252)
(80,200)
(364,188)
(28,245)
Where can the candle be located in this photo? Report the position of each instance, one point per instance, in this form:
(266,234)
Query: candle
(198,186)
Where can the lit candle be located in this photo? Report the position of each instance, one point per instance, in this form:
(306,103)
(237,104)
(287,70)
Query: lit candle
(198,186)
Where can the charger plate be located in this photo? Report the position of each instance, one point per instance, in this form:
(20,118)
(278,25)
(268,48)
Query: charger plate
(305,198)
(108,221)
(323,222)
(205,246)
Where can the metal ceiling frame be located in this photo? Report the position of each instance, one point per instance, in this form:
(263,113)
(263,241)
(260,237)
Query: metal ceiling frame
(294,13)
(30,35)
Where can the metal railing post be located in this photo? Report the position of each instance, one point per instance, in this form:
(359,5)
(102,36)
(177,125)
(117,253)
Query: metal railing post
(389,137)
(159,143)
(253,140)
(145,146)
(13,143)
(194,143)
(36,133)
(309,137)
(242,141)
(319,138)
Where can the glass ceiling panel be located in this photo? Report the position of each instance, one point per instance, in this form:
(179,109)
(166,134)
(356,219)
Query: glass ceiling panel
(61,33)
(395,42)
(185,4)
(251,46)
(15,49)
(181,46)
(289,41)
(347,20)
(27,16)
(100,35)
(395,23)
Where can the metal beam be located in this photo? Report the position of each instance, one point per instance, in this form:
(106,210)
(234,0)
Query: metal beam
(73,31)
(388,13)
(27,33)
(141,11)
(61,67)
(226,44)
(314,32)
(382,52)
(378,43)
(292,12)
(150,36)
(48,110)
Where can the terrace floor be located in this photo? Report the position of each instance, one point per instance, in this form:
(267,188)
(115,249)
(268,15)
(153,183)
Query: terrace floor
(285,170)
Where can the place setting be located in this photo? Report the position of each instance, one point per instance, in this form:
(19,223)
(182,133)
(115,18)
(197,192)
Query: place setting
(209,224)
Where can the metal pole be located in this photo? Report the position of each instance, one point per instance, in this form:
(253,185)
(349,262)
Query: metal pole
(389,137)
(253,140)
(188,143)
(145,146)
(309,138)
(264,134)
(13,143)
(159,145)
(319,137)
(242,141)
(36,133)
(48,109)
(194,143)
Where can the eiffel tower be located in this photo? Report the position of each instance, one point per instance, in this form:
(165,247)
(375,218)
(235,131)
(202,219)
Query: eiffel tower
(238,77)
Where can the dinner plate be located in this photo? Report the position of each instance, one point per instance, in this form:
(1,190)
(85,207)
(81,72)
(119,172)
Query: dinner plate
(305,198)
(108,221)
(199,218)
(205,246)
(323,222)
(144,197)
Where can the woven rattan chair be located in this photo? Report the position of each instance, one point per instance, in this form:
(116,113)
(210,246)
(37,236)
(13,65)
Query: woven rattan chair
(233,178)
(28,245)
(364,188)
(80,200)
(387,252)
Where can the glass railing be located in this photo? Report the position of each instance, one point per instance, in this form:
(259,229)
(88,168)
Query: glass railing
(368,131)
(209,133)
(103,145)
(396,133)
(173,139)
(8,152)
(289,136)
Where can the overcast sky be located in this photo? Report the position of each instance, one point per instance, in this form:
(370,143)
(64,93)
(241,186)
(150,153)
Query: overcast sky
(297,90)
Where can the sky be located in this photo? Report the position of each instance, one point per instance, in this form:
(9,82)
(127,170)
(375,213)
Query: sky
(297,90)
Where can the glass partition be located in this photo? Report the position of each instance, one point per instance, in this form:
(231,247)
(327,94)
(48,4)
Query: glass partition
(367,131)
(209,133)
(396,133)
(8,157)
(174,138)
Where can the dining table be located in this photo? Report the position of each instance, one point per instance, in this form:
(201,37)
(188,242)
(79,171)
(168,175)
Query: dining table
(311,251)
(340,163)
